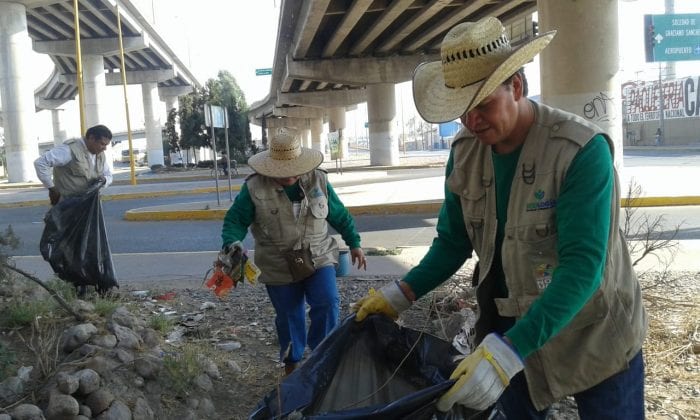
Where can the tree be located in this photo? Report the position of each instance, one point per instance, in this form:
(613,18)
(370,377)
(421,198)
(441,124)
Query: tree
(193,134)
(170,135)
(224,91)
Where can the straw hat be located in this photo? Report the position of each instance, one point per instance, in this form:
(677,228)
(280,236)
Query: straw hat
(285,157)
(476,58)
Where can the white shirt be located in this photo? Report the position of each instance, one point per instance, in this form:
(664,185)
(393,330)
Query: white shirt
(61,156)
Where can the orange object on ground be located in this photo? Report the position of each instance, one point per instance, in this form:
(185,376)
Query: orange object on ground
(220,283)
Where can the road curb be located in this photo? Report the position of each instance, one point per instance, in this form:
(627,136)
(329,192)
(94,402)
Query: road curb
(423,207)
(142,215)
(128,196)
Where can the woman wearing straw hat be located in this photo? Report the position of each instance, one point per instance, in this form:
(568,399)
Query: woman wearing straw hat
(288,204)
(533,191)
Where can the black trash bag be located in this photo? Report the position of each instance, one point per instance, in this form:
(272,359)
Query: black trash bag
(74,242)
(343,376)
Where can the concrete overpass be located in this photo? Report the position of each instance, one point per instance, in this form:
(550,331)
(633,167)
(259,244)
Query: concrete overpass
(48,27)
(331,54)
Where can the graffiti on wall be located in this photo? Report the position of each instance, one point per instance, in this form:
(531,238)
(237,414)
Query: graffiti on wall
(641,100)
(600,108)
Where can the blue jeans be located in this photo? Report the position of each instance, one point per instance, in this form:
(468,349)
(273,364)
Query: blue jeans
(621,396)
(289,300)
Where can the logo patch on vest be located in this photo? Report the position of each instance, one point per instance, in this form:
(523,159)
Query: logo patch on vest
(541,203)
(316,192)
(543,275)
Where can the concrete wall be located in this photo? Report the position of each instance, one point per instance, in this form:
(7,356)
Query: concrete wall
(679,132)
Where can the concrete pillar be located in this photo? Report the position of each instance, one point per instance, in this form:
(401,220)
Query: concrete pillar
(336,122)
(59,132)
(95,88)
(171,102)
(152,110)
(570,78)
(306,137)
(383,138)
(17,93)
(316,131)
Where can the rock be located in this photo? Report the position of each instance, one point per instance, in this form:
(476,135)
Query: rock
(117,411)
(62,406)
(107,341)
(88,381)
(210,368)
(228,346)
(102,365)
(76,336)
(148,366)
(88,349)
(203,382)
(123,356)
(24,373)
(207,408)
(142,411)
(5,417)
(234,366)
(11,389)
(27,412)
(192,403)
(150,337)
(127,338)
(85,411)
(99,400)
(67,384)
(123,317)
(82,307)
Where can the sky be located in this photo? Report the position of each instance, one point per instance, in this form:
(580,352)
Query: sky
(240,36)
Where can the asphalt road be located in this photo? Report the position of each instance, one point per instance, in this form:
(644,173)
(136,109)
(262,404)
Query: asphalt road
(205,235)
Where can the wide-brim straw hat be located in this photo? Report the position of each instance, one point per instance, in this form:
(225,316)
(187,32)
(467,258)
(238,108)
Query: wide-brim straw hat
(476,57)
(285,158)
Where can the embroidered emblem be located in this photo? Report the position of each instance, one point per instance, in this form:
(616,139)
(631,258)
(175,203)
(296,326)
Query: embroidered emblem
(541,203)
(543,275)
(316,192)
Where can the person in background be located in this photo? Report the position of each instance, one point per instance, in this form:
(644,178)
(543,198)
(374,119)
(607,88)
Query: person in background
(71,168)
(533,191)
(289,204)
(224,163)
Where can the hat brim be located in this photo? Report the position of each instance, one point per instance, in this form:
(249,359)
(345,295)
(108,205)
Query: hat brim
(437,103)
(307,161)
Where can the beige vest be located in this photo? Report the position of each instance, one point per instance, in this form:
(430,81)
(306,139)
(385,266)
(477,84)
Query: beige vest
(76,177)
(610,328)
(276,230)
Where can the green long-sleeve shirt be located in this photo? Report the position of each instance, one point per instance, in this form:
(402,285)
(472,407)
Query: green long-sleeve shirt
(583,222)
(241,215)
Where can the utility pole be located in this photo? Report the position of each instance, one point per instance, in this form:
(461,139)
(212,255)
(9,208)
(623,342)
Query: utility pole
(661,108)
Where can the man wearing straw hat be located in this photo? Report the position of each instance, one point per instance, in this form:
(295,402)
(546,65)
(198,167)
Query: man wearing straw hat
(532,190)
(289,203)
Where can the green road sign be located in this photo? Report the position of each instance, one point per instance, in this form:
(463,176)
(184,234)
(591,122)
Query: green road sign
(672,37)
(263,72)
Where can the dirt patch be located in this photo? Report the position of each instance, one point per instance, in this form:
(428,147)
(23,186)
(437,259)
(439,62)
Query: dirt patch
(238,334)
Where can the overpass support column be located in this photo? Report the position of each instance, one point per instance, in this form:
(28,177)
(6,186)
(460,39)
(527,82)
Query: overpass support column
(594,93)
(336,122)
(95,87)
(316,131)
(59,132)
(306,133)
(171,102)
(151,115)
(17,93)
(383,140)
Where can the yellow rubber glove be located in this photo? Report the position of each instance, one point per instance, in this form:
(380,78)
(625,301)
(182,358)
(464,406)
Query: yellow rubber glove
(483,375)
(389,300)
